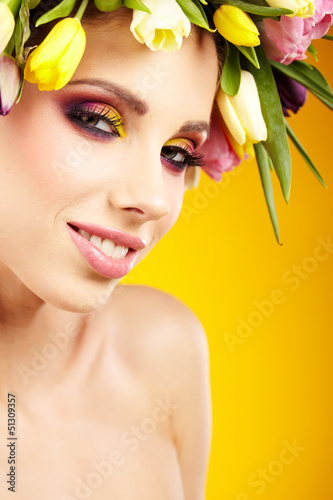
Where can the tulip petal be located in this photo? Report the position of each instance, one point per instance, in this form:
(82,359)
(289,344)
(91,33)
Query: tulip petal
(230,117)
(55,60)
(246,104)
(236,26)
(7,25)
(10,82)
(218,152)
(164,29)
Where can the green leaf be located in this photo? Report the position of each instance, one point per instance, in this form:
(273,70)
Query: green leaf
(19,95)
(328,37)
(327,102)
(18,35)
(259,10)
(194,11)
(308,76)
(250,54)
(255,18)
(22,32)
(304,153)
(63,9)
(312,50)
(32,4)
(137,5)
(266,180)
(231,74)
(277,143)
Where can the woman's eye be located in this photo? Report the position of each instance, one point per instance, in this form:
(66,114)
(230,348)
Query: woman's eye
(171,154)
(180,154)
(97,122)
(97,119)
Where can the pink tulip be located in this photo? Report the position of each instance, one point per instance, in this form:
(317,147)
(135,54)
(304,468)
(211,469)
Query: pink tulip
(287,40)
(219,155)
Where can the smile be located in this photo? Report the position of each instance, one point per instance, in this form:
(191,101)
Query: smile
(109,251)
(105,245)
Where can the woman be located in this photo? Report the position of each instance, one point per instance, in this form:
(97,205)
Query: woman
(111,382)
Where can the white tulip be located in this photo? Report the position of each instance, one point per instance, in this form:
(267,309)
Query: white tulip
(7,25)
(301,8)
(164,28)
(242,113)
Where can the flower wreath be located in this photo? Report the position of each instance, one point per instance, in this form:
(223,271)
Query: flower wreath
(264,75)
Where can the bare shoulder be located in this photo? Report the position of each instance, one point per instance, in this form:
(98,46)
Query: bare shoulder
(166,329)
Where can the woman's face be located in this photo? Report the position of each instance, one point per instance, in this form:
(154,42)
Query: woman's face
(108,149)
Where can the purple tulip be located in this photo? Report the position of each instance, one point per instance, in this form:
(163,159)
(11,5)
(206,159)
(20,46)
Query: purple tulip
(10,82)
(292,94)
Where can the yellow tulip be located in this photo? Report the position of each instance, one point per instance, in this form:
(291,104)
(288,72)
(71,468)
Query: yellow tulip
(7,25)
(236,26)
(52,64)
(242,113)
(241,150)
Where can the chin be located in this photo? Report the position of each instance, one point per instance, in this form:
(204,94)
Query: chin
(81,297)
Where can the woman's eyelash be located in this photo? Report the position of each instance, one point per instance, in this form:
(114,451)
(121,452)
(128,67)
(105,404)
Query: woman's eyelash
(84,116)
(190,159)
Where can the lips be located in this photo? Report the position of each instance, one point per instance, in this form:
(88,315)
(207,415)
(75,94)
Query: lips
(99,261)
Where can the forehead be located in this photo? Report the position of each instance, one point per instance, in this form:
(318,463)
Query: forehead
(182,82)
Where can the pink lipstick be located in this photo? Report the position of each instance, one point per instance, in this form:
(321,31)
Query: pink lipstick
(107,266)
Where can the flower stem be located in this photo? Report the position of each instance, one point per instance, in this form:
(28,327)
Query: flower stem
(81,10)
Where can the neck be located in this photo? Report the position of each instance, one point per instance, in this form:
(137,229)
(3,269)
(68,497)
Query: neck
(19,306)
(37,340)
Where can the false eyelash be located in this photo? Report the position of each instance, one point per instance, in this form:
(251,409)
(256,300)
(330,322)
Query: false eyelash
(191,159)
(76,113)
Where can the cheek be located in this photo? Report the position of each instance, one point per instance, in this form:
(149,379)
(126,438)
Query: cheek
(175,189)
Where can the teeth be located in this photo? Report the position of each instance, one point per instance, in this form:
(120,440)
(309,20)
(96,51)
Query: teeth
(119,252)
(106,246)
(96,240)
(85,234)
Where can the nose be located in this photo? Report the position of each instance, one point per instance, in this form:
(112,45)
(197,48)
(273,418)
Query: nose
(141,188)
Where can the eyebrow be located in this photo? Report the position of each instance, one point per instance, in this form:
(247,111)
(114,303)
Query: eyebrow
(199,126)
(138,105)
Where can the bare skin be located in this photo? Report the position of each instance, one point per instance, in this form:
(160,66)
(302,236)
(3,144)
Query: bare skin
(111,381)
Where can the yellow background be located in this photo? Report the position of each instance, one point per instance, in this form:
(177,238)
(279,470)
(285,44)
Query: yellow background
(274,386)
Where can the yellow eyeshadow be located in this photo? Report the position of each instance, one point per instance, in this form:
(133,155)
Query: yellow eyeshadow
(180,142)
(114,116)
